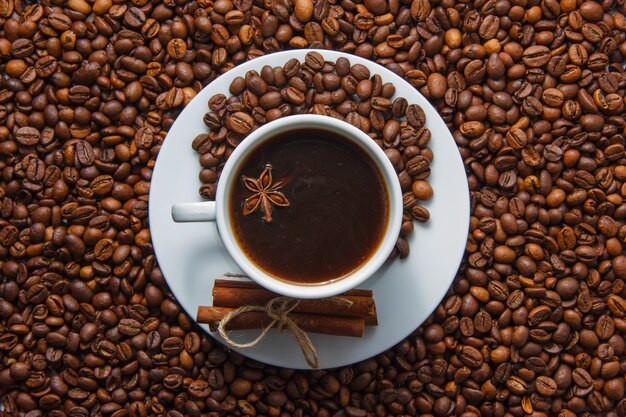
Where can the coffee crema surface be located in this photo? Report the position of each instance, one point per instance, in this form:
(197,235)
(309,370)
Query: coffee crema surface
(336,214)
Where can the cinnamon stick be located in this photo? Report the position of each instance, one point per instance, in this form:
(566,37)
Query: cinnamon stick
(253,285)
(356,306)
(312,323)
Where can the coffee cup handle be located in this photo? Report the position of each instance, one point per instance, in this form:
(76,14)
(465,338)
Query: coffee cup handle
(194,212)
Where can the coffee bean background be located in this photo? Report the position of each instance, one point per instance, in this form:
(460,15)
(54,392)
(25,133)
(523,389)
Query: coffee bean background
(346,92)
(533,93)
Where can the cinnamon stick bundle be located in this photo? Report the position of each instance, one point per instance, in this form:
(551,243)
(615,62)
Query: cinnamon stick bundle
(232,294)
(344,315)
(312,323)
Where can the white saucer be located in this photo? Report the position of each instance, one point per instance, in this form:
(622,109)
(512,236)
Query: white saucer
(406,291)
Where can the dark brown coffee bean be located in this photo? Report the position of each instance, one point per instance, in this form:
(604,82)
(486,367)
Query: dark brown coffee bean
(475,71)
(19,371)
(314,60)
(271,100)
(470,356)
(437,85)
(359,72)
(581,378)
(546,386)
(417,165)
(172,345)
(472,129)
(293,95)
(240,122)
(536,56)
(399,107)
(517,385)
(415,116)
(237,87)
(420,214)
(27,136)
(420,10)
(129,327)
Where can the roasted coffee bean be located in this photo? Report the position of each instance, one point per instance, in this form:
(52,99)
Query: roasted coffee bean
(27,136)
(536,56)
(415,116)
(359,72)
(470,356)
(176,48)
(314,60)
(546,386)
(581,378)
(240,122)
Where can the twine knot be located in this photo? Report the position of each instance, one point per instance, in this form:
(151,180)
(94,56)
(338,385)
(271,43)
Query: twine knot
(278,310)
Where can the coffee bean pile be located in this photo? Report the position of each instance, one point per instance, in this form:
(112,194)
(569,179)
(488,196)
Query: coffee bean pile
(337,89)
(533,93)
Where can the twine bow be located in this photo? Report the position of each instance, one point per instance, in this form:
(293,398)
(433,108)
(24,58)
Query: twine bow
(278,310)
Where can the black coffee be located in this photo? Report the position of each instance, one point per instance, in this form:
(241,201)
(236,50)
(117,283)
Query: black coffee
(309,206)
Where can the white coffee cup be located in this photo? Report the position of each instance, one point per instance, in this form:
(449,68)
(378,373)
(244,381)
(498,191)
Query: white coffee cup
(219,209)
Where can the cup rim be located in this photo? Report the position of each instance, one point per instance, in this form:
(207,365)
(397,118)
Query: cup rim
(365,270)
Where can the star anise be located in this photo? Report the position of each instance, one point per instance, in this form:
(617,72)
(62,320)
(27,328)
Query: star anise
(265,194)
